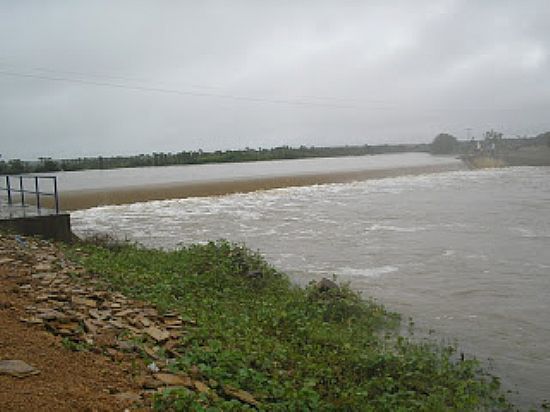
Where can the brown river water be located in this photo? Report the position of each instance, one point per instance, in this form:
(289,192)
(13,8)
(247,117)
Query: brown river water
(464,253)
(84,189)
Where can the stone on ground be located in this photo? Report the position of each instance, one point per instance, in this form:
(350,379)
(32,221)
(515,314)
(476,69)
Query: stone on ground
(17,368)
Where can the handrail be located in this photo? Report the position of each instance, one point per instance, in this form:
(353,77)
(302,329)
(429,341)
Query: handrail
(10,189)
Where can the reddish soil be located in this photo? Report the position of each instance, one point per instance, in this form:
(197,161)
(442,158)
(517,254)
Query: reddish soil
(68,381)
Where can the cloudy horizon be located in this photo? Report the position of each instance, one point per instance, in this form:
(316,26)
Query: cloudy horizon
(101,78)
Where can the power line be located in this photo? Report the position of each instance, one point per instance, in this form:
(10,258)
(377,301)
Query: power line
(172,91)
(192,85)
(382,105)
(111,76)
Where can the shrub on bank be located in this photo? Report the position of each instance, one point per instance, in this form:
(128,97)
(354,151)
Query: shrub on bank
(316,348)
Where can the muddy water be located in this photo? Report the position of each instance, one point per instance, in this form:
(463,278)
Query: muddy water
(464,253)
(85,189)
(192,174)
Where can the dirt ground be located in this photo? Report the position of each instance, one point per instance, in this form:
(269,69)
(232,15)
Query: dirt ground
(94,348)
(68,380)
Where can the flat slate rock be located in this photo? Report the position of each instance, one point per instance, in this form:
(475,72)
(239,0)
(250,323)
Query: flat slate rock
(157,334)
(17,368)
(128,396)
(174,380)
(241,395)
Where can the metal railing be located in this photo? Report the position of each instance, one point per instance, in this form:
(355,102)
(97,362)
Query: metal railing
(18,188)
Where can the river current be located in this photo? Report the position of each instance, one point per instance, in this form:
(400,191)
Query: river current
(465,253)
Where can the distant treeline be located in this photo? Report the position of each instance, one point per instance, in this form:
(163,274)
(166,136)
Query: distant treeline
(17,166)
(443,143)
(493,143)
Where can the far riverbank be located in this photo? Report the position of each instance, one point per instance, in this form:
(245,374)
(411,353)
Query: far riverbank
(537,155)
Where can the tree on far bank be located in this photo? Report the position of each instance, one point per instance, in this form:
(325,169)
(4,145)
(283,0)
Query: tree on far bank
(493,136)
(543,138)
(444,143)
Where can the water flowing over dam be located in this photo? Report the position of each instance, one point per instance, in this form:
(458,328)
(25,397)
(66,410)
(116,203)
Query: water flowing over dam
(465,253)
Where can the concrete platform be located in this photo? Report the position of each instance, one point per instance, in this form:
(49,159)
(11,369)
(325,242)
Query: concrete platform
(31,221)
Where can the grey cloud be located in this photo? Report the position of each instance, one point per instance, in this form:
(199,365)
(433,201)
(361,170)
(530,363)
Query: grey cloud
(315,73)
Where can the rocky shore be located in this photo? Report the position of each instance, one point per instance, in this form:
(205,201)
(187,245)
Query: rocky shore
(108,326)
(68,343)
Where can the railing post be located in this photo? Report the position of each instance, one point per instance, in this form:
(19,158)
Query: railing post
(22,191)
(37,191)
(8,187)
(11,190)
(56,195)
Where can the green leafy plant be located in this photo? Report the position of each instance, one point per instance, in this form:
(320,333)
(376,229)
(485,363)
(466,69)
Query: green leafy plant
(290,348)
(75,346)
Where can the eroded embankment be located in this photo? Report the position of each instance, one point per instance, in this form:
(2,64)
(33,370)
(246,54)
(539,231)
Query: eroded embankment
(83,199)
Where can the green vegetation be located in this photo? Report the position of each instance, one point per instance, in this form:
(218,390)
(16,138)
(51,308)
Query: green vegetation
(75,346)
(543,139)
(496,151)
(444,144)
(293,349)
(17,166)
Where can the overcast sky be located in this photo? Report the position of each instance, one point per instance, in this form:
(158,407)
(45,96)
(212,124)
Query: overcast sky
(126,77)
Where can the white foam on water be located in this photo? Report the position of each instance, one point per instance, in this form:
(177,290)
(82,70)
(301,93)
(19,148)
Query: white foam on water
(488,223)
(375,272)
(390,228)
(529,233)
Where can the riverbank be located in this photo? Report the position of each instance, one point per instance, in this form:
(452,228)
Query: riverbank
(536,155)
(225,329)
(82,199)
